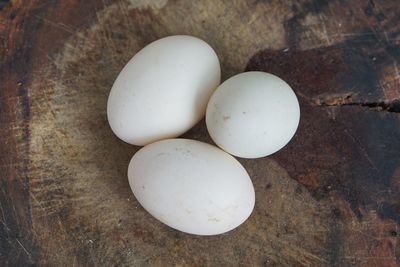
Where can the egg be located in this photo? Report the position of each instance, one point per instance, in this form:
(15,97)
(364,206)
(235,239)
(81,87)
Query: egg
(191,186)
(163,90)
(253,114)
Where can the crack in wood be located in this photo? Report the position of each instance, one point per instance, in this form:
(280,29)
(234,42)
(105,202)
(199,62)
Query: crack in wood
(347,100)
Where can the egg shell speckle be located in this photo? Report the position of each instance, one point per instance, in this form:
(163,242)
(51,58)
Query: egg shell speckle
(191,186)
(163,90)
(253,114)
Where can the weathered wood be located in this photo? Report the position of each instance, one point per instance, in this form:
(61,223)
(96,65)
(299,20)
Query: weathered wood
(330,198)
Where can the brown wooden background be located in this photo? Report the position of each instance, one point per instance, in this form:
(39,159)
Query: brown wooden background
(330,198)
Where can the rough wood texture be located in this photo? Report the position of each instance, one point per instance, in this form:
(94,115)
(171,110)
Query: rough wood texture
(330,198)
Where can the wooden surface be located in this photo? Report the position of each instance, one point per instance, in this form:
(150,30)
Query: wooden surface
(330,198)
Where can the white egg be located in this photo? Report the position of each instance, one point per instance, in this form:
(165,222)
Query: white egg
(253,114)
(163,90)
(191,186)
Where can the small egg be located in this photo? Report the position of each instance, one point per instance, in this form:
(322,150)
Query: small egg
(253,114)
(191,186)
(163,90)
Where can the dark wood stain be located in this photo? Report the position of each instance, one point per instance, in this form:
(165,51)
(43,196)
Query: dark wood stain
(14,196)
(390,211)
(353,155)
(4,3)
(21,31)
(347,143)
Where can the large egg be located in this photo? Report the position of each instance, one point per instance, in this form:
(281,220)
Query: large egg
(163,90)
(191,186)
(253,114)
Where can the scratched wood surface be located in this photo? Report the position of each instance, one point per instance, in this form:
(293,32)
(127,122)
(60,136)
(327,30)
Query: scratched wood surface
(330,198)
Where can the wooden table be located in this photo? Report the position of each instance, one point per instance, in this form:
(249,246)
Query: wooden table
(329,198)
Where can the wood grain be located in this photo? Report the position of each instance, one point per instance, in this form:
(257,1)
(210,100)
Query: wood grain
(330,198)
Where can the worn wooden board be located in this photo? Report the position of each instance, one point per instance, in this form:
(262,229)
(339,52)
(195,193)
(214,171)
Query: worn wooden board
(330,198)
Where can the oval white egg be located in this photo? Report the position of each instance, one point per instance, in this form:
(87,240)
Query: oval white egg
(253,114)
(163,90)
(191,186)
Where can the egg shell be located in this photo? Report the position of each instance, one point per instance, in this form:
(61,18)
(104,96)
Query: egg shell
(163,90)
(191,186)
(253,114)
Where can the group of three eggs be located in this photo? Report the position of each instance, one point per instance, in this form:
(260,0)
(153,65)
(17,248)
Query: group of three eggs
(162,92)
